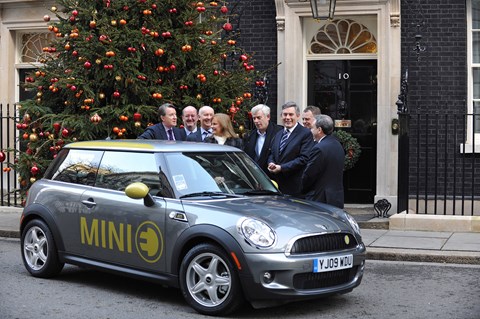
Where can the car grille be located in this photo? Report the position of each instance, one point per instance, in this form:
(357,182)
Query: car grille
(323,243)
(324,279)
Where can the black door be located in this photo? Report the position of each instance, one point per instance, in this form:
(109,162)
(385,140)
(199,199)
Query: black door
(347,90)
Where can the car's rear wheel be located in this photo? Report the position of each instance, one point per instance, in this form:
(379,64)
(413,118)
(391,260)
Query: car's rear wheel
(39,252)
(209,281)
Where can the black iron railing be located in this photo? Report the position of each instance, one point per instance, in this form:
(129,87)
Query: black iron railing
(8,141)
(444,161)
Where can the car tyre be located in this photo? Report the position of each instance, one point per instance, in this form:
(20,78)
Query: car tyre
(39,252)
(209,281)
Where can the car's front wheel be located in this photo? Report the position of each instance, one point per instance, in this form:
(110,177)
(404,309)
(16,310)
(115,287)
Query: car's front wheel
(39,252)
(209,282)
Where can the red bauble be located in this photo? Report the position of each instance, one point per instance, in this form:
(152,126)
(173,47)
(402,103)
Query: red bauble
(2,156)
(228,27)
(34,170)
(56,126)
(116,95)
(223,9)
(65,132)
(137,117)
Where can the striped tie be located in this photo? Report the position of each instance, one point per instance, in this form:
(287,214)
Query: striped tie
(170,135)
(283,140)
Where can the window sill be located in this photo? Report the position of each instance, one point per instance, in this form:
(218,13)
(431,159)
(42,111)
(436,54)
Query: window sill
(469,148)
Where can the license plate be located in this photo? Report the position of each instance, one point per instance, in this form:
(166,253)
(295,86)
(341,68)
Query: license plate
(332,263)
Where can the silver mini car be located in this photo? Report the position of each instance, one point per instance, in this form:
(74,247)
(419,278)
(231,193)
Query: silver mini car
(200,217)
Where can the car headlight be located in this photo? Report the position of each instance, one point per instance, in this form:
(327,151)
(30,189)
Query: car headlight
(256,232)
(353,223)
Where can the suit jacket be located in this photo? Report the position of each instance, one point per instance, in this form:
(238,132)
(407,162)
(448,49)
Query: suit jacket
(195,137)
(292,159)
(322,179)
(250,144)
(231,141)
(157,132)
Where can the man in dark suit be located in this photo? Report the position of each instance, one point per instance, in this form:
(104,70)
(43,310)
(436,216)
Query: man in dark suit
(166,129)
(189,120)
(322,179)
(205,115)
(289,151)
(257,143)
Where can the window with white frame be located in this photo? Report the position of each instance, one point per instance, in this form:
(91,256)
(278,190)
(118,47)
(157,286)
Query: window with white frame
(473,9)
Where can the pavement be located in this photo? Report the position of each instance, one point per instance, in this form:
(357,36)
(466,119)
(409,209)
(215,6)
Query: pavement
(382,242)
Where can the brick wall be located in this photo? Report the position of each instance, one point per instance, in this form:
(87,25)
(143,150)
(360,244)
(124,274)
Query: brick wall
(437,99)
(259,36)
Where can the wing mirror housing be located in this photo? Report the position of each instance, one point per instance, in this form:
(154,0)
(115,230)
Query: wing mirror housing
(138,191)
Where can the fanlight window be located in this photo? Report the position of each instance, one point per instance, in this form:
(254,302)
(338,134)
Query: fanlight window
(32,47)
(343,37)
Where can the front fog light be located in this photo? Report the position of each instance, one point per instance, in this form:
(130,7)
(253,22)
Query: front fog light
(268,277)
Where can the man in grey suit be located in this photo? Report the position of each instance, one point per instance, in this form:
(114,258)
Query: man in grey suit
(205,115)
(257,143)
(289,151)
(322,179)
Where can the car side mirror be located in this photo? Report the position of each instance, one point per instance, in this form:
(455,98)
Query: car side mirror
(140,190)
(274,183)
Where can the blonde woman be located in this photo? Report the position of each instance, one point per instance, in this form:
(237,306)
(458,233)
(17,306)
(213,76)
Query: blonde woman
(223,132)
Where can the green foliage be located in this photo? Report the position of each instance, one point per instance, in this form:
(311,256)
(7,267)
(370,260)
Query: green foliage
(351,147)
(115,58)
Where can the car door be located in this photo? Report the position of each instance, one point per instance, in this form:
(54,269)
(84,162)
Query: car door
(120,230)
(72,174)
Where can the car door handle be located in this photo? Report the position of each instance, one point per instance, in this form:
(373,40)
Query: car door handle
(89,203)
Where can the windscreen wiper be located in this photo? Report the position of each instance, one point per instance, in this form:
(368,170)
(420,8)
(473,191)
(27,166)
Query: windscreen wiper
(261,192)
(208,194)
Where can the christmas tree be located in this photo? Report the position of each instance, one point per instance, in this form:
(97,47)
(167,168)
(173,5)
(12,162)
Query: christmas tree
(114,62)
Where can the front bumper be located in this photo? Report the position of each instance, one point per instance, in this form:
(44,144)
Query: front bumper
(278,277)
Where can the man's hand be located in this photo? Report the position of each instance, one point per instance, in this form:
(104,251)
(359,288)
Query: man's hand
(274,168)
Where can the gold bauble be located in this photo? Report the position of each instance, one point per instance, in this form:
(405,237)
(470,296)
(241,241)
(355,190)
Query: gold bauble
(118,78)
(199,96)
(241,128)
(101,96)
(33,180)
(39,94)
(39,101)
(53,9)
(98,61)
(138,124)
(113,23)
(33,137)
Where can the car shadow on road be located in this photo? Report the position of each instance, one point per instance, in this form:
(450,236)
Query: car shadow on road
(152,292)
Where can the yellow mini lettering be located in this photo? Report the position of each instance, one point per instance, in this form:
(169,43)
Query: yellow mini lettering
(114,235)
(129,238)
(104,235)
(86,235)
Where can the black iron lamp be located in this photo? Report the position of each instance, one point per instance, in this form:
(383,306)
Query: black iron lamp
(323,9)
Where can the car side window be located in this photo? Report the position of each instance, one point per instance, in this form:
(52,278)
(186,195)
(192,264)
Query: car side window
(77,167)
(119,169)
